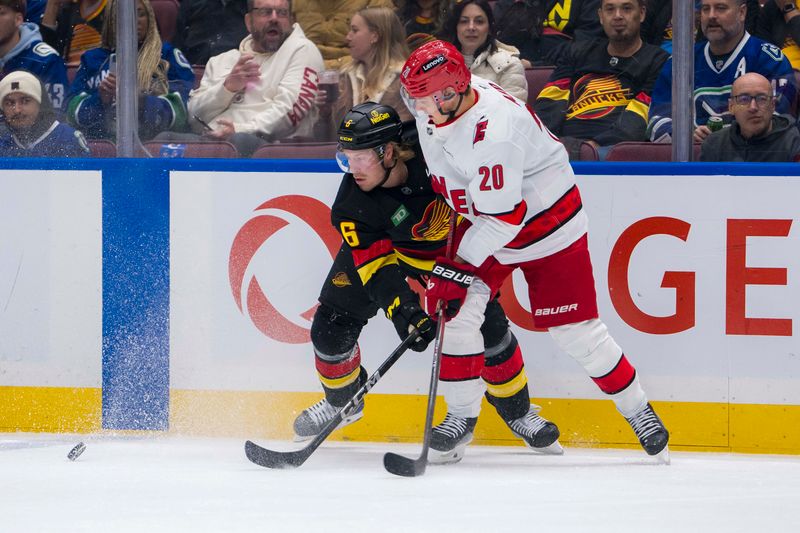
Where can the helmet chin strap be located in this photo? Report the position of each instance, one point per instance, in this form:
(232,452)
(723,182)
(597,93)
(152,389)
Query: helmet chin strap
(387,171)
(451,114)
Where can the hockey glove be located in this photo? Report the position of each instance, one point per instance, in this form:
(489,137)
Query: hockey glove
(448,283)
(410,315)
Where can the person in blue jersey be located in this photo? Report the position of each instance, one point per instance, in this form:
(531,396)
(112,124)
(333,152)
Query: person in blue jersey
(729,53)
(32,129)
(164,78)
(21,48)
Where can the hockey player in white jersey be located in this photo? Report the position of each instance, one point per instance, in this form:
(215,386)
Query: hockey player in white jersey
(498,166)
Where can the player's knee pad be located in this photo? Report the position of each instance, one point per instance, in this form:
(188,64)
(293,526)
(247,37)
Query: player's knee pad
(334,334)
(495,324)
(462,333)
(590,344)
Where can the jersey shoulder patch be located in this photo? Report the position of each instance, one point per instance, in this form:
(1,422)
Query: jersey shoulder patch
(180,59)
(772,51)
(44,50)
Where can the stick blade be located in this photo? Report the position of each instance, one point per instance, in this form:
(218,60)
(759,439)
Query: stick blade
(403,466)
(272,459)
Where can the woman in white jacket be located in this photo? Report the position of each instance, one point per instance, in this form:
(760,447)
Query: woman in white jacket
(470,27)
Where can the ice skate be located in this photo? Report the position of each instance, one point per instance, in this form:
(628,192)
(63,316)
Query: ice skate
(538,433)
(310,422)
(652,434)
(450,438)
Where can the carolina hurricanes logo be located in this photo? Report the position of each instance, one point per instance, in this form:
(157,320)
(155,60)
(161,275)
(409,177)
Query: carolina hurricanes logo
(248,294)
(597,96)
(435,223)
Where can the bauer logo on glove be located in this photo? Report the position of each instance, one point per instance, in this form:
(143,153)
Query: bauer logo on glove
(448,283)
(456,276)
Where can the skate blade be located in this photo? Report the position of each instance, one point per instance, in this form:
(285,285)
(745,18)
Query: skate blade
(436,457)
(662,457)
(346,421)
(552,449)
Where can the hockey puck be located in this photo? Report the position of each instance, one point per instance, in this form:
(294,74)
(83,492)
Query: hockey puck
(76,452)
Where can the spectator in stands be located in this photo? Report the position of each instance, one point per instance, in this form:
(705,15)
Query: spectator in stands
(327,23)
(73,26)
(600,93)
(164,80)
(377,52)
(657,25)
(779,24)
(756,133)
(730,52)
(207,28)
(263,91)
(421,16)
(470,27)
(32,129)
(21,48)
(543,30)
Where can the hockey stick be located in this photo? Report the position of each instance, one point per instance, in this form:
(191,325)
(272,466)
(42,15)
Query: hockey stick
(400,465)
(274,459)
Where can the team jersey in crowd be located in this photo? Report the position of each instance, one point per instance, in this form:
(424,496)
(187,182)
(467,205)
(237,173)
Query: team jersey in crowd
(592,95)
(503,170)
(40,59)
(156,113)
(392,232)
(713,78)
(59,140)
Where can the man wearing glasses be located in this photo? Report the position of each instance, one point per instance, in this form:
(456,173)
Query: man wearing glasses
(265,90)
(729,52)
(756,133)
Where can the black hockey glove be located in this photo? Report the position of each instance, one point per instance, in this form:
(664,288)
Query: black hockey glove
(410,315)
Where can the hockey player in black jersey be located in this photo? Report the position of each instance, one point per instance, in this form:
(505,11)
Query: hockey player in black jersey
(394,226)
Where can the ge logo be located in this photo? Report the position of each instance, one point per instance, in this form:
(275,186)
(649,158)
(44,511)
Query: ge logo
(267,221)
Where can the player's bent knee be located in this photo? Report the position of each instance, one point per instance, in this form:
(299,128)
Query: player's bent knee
(334,333)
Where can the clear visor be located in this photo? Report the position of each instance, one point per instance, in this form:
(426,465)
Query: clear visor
(358,160)
(424,106)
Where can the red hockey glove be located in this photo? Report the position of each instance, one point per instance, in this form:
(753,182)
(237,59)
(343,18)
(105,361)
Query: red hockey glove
(448,283)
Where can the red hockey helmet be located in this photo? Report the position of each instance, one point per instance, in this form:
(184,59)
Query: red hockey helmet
(433,67)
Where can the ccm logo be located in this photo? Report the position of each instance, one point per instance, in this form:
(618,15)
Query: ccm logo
(555,310)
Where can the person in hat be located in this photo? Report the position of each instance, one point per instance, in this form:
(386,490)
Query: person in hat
(393,226)
(32,129)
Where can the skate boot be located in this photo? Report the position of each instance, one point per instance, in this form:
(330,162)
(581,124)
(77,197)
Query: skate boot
(652,434)
(310,422)
(450,438)
(538,433)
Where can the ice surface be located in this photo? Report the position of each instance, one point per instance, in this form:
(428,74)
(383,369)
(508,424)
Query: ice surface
(178,484)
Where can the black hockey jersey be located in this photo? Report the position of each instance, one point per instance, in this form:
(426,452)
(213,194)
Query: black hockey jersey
(593,95)
(392,232)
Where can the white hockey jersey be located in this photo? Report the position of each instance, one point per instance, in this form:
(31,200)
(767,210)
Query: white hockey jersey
(498,166)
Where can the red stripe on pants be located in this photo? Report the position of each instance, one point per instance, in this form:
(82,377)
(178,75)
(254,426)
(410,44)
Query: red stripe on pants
(618,379)
(337,370)
(461,368)
(504,371)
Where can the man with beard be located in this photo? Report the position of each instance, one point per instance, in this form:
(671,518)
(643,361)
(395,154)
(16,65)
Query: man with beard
(600,94)
(756,134)
(265,90)
(31,126)
(21,48)
(729,53)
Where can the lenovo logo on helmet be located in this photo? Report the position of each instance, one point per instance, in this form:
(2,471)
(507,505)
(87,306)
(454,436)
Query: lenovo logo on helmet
(438,60)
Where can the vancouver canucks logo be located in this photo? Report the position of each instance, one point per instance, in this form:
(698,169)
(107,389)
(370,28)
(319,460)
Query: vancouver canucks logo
(435,223)
(597,96)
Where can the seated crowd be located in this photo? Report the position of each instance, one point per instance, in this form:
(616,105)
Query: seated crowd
(271,71)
